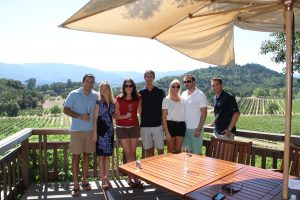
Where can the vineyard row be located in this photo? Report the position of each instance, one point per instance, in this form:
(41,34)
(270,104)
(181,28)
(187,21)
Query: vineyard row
(258,106)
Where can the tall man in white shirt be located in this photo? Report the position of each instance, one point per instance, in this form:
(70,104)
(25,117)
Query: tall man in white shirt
(195,105)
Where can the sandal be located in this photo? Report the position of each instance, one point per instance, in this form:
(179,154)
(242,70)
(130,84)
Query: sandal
(75,192)
(139,184)
(86,186)
(105,186)
(131,184)
(108,184)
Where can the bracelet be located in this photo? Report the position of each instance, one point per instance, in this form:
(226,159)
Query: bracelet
(229,129)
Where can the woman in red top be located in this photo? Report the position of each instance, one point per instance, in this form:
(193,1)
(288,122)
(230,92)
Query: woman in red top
(128,105)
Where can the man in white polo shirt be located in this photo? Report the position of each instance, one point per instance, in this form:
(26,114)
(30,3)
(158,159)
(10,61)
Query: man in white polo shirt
(195,111)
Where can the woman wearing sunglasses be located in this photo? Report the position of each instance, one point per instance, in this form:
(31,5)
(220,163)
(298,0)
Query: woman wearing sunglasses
(128,105)
(173,118)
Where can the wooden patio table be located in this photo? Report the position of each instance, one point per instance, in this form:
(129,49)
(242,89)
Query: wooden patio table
(254,183)
(205,177)
(167,171)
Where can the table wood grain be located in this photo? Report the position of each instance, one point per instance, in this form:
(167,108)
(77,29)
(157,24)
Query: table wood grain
(166,171)
(255,183)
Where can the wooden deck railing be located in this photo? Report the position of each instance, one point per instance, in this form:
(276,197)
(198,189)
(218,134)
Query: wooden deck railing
(51,160)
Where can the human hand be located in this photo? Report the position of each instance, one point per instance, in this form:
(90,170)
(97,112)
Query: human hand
(95,138)
(128,115)
(197,133)
(85,117)
(227,132)
(168,137)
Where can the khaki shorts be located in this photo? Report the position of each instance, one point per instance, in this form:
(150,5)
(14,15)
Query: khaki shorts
(82,142)
(152,135)
(128,132)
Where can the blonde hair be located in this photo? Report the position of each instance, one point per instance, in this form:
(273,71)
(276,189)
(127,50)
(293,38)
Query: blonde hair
(110,93)
(174,81)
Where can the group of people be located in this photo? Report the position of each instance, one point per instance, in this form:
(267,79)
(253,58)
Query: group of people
(178,118)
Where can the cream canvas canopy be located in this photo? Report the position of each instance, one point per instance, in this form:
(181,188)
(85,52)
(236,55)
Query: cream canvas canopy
(200,29)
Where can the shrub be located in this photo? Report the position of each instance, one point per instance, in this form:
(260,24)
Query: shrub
(272,108)
(55,109)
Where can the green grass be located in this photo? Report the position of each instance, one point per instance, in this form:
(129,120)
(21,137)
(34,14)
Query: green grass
(273,124)
(296,106)
(265,123)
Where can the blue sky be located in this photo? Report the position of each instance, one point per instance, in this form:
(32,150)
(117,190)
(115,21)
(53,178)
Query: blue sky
(30,34)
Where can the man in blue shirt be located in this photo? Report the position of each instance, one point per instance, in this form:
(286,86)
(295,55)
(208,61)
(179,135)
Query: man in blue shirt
(80,105)
(226,111)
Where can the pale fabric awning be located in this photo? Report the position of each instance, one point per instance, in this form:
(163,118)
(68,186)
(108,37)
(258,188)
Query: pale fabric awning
(200,29)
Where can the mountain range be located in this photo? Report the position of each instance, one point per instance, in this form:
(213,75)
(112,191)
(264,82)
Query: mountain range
(47,73)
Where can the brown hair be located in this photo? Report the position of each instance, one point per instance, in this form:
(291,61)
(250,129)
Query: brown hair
(134,93)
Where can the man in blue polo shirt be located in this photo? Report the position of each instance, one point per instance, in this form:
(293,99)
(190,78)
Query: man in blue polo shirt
(226,111)
(151,128)
(80,105)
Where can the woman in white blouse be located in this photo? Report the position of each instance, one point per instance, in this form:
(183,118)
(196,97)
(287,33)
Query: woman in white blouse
(173,118)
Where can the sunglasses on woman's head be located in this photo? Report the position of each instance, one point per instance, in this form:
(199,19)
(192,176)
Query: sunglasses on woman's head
(128,86)
(175,86)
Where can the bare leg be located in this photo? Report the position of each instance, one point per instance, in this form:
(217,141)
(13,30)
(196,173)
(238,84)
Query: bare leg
(75,169)
(133,144)
(106,172)
(85,167)
(178,143)
(149,152)
(160,151)
(170,145)
(128,151)
(102,168)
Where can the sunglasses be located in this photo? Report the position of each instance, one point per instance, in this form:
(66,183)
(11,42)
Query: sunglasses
(188,81)
(130,86)
(174,86)
(228,188)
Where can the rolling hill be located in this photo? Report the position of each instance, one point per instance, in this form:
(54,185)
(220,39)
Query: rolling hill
(47,73)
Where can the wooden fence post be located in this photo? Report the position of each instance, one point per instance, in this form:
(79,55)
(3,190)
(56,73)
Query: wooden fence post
(25,163)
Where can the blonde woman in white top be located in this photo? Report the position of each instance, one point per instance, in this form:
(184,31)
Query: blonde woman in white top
(173,118)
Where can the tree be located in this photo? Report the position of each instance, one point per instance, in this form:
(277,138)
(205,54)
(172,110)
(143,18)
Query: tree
(259,92)
(69,83)
(12,109)
(282,92)
(44,88)
(31,83)
(273,92)
(272,108)
(277,47)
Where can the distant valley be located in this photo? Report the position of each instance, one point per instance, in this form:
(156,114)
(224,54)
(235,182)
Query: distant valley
(47,73)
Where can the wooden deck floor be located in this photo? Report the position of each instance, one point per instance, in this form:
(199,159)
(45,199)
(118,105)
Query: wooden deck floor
(120,191)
